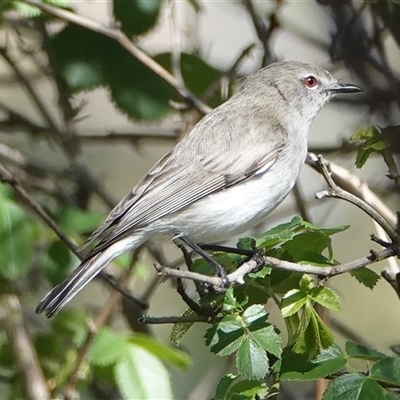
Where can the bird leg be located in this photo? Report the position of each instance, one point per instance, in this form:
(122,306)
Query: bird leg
(220,271)
(253,254)
(225,249)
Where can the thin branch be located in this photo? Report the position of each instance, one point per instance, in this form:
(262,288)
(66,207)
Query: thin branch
(124,41)
(249,266)
(102,319)
(173,320)
(353,184)
(263,32)
(301,203)
(335,191)
(29,88)
(27,362)
(392,166)
(6,177)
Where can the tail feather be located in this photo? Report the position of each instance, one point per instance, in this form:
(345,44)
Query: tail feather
(82,275)
(66,290)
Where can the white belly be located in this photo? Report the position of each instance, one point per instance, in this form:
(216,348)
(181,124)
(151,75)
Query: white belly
(234,210)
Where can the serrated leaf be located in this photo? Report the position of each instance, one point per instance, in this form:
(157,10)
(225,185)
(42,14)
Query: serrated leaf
(307,243)
(141,375)
(251,360)
(16,234)
(267,338)
(387,370)
(196,73)
(138,16)
(355,350)
(232,387)
(27,10)
(278,234)
(292,302)
(354,387)
(225,336)
(180,330)
(295,366)
(107,348)
(254,313)
(363,134)
(313,335)
(224,386)
(366,276)
(326,297)
(87,59)
(230,302)
(166,353)
(246,243)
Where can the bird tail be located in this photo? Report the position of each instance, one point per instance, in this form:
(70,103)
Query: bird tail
(80,277)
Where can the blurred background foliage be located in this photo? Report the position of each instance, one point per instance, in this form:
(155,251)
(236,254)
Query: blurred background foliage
(54,61)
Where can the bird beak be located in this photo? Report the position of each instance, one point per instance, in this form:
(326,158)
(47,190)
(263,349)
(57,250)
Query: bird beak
(344,88)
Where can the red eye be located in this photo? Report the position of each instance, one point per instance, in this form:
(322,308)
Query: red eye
(310,81)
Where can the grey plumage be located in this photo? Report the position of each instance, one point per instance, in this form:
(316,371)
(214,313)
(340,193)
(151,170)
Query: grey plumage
(235,166)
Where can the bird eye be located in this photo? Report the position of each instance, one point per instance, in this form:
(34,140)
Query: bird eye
(310,81)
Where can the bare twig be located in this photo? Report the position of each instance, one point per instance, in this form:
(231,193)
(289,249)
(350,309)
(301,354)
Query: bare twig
(33,205)
(249,266)
(353,184)
(300,203)
(173,320)
(335,191)
(25,355)
(124,41)
(263,32)
(29,88)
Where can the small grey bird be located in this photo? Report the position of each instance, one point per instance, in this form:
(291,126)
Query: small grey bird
(233,168)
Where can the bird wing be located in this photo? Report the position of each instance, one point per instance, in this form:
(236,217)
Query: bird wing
(176,181)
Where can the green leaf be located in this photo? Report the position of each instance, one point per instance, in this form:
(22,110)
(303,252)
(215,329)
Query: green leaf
(366,276)
(225,336)
(295,366)
(251,360)
(387,370)
(75,221)
(246,243)
(224,387)
(375,141)
(354,387)
(107,348)
(87,59)
(355,350)
(196,73)
(305,245)
(292,302)
(313,335)
(79,55)
(363,134)
(27,10)
(141,375)
(180,330)
(278,234)
(166,353)
(16,239)
(326,297)
(232,387)
(71,324)
(267,338)
(58,262)
(136,16)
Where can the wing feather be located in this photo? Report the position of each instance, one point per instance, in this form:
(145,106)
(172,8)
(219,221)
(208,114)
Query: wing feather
(184,175)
